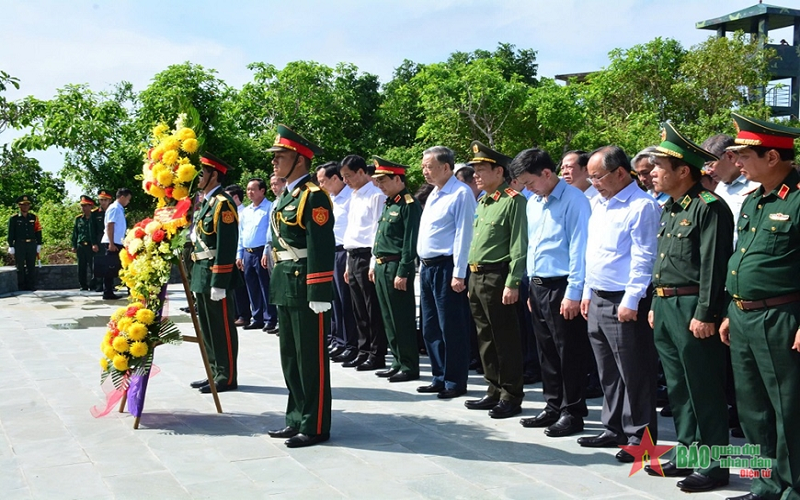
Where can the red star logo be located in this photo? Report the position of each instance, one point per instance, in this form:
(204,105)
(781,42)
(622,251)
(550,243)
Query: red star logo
(646,451)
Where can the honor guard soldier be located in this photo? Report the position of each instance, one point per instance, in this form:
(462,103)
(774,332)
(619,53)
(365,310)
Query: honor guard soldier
(215,237)
(694,245)
(392,272)
(302,288)
(85,241)
(104,199)
(497,262)
(764,315)
(25,243)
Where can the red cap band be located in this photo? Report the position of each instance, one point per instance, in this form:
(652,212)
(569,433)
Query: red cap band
(390,170)
(766,140)
(215,165)
(295,146)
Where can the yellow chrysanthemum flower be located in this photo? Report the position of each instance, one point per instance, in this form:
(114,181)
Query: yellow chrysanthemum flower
(145,316)
(180,192)
(157,191)
(171,143)
(186,173)
(170,157)
(165,178)
(137,332)
(160,129)
(124,323)
(190,145)
(120,312)
(184,160)
(109,352)
(152,227)
(120,344)
(185,133)
(104,364)
(120,362)
(138,349)
(157,153)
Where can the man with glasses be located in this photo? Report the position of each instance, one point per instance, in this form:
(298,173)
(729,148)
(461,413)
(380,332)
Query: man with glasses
(733,186)
(616,298)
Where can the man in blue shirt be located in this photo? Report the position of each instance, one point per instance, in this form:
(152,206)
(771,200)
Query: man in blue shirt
(558,218)
(253,223)
(112,240)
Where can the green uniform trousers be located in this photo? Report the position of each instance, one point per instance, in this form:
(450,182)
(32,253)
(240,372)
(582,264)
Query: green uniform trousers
(498,336)
(398,309)
(695,373)
(304,358)
(767,379)
(85,264)
(25,257)
(216,319)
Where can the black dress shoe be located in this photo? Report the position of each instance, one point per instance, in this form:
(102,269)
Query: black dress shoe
(335,351)
(666,411)
(286,432)
(347,355)
(543,419)
(254,326)
(84,289)
(221,387)
(669,469)
(430,389)
(505,409)
(387,373)
(371,364)
(700,482)
(301,440)
(111,296)
(403,377)
(531,378)
(198,383)
(361,358)
(185,309)
(749,496)
(474,364)
(737,432)
(604,440)
(450,393)
(624,457)
(485,403)
(566,425)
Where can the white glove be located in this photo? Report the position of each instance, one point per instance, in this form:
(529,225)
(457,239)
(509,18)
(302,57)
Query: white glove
(38,248)
(319,307)
(217,293)
(11,250)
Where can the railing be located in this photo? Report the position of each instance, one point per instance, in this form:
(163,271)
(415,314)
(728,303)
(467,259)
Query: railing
(778,96)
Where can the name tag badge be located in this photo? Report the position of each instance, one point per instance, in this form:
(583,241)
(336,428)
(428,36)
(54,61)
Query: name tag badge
(290,208)
(779,217)
(394,214)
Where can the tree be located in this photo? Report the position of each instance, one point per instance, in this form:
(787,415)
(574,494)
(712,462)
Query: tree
(20,174)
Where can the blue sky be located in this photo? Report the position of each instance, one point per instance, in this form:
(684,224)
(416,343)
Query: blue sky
(48,44)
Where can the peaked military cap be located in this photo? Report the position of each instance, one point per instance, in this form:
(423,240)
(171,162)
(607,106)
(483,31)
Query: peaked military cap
(481,153)
(24,200)
(215,163)
(675,145)
(105,194)
(384,167)
(86,200)
(754,132)
(291,140)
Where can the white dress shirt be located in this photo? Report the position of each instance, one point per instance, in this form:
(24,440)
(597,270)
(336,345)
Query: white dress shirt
(366,207)
(341,206)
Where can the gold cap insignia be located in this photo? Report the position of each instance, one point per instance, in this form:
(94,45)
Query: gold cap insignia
(376,162)
(736,126)
(278,139)
(475,148)
(663,134)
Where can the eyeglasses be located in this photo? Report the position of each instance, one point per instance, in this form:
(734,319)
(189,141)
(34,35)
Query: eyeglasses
(595,180)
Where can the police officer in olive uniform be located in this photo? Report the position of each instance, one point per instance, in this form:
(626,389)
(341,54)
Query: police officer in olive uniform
(394,252)
(85,241)
(214,277)
(497,262)
(302,288)
(104,199)
(694,245)
(25,243)
(763,324)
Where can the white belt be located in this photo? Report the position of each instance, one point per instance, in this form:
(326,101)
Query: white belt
(208,254)
(282,255)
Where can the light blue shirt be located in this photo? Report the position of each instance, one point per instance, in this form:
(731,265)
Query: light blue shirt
(621,247)
(557,232)
(253,223)
(115,214)
(445,227)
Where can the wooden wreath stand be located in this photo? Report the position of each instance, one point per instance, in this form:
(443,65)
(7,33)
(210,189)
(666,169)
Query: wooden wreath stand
(198,339)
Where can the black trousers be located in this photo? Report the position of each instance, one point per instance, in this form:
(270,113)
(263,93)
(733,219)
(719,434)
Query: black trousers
(563,349)
(343,325)
(367,311)
(113,269)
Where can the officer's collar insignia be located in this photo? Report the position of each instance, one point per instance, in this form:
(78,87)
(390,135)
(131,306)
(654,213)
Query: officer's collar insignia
(779,217)
(496,195)
(685,201)
(685,222)
(511,192)
(783,191)
(397,198)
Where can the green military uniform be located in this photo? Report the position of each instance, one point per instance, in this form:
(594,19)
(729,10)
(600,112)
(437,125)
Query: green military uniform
(695,241)
(85,242)
(497,260)
(303,249)
(764,316)
(99,217)
(395,249)
(24,236)
(216,237)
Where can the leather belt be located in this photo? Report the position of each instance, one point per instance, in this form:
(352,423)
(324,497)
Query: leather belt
(387,258)
(608,295)
(28,241)
(208,254)
(436,260)
(280,256)
(546,281)
(84,243)
(255,249)
(675,291)
(754,305)
(488,268)
(360,251)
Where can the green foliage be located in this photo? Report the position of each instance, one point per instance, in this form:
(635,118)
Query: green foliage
(20,174)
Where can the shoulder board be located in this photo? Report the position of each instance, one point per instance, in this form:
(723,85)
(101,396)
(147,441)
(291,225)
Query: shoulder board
(512,193)
(79,216)
(312,187)
(708,196)
(409,199)
(220,197)
(95,209)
